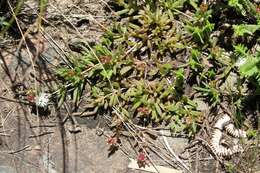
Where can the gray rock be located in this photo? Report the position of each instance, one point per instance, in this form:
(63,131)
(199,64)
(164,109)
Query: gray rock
(7,169)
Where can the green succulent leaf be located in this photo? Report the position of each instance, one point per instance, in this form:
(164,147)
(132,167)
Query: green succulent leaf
(125,69)
(243,29)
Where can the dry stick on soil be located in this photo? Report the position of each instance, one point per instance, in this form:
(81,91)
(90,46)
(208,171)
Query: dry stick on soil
(39,135)
(151,144)
(75,126)
(165,155)
(162,155)
(15,100)
(217,166)
(113,12)
(55,45)
(86,114)
(4,134)
(7,116)
(200,159)
(44,125)
(197,162)
(155,130)
(131,130)
(168,154)
(175,155)
(17,151)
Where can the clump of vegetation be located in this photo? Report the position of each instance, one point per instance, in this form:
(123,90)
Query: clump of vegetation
(161,59)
